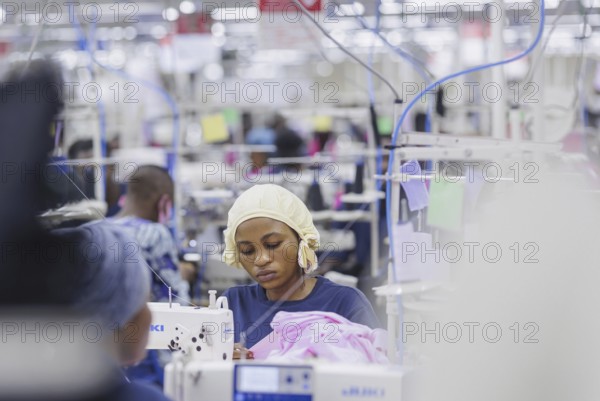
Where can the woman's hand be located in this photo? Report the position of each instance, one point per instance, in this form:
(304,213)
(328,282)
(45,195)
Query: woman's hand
(240,352)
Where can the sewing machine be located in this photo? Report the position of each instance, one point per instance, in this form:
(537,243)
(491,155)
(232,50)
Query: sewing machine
(268,381)
(202,366)
(202,334)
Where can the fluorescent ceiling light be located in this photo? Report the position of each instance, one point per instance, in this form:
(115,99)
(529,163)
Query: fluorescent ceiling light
(235,13)
(351,10)
(218,29)
(170,14)
(187,7)
(390,8)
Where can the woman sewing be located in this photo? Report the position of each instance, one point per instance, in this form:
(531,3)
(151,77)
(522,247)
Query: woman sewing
(271,235)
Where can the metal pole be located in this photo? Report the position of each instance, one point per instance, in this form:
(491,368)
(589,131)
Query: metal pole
(497,54)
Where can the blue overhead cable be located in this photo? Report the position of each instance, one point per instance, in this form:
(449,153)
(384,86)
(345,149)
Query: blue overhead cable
(431,86)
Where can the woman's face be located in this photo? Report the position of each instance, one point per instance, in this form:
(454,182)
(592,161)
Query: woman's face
(268,251)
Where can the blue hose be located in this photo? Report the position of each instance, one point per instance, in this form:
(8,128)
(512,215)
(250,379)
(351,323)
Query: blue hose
(404,55)
(84,44)
(171,156)
(388,204)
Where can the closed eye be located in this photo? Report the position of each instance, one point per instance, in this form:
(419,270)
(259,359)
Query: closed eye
(247,251)
(272,245)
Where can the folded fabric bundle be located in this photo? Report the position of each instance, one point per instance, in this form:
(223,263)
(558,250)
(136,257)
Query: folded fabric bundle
(298,336)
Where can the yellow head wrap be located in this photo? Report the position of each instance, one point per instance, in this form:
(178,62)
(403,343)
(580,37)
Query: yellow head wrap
(279,204)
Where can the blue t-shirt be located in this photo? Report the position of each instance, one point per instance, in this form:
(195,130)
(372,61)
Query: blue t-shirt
(160,253)
(249,304)
(136,392)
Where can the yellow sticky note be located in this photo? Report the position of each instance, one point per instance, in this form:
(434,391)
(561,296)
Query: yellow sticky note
(214,128)
(323,123)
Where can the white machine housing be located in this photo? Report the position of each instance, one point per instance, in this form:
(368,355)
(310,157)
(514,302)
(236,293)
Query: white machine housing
(203,334)
(268,381)
(202,366)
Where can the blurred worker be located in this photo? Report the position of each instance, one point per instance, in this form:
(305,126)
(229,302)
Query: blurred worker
(270,233)
(45,275)
(115,296)
(84,174)
(287,142)
(147,209)
(114,189)
(260,136)
(81,149)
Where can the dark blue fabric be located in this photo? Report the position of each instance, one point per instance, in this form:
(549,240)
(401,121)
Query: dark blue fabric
(148,370)
(249,304)
(137,392)
(116,388)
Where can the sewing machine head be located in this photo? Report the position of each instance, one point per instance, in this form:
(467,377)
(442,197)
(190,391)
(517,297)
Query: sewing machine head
(204,334)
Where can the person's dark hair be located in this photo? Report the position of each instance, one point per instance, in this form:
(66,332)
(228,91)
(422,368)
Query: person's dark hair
(77,147)
(277,122)
(25,143)
(42,79)
(148,183)
(288,144)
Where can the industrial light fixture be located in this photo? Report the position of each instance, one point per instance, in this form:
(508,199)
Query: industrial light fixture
(187,7)
(170,14)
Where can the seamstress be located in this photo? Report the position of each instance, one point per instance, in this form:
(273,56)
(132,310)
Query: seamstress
(271,235)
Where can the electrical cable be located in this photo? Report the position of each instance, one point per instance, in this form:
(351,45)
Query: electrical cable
(321,51)
(102,217)
(416,63)
(390,223)
(342,48)
(370,85)
(368,67)
(256,324)
(150,85)
(34,44)
(315,40)
(421,69)
(581,70)
(170,101)
(172,156)
(99,104)
(536,62)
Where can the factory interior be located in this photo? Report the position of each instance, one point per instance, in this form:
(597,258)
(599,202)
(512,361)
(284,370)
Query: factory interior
(299,200)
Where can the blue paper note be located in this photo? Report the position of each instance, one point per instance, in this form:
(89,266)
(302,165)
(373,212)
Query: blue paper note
(415,189)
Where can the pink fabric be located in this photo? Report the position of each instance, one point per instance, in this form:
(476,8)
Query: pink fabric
(313,147)
(298,336)
(230,158)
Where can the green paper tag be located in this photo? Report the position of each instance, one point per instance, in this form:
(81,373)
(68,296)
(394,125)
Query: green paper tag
(385,125)
(446,204)
(231,115)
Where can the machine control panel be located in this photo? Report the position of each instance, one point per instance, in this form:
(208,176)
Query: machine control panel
(272,383)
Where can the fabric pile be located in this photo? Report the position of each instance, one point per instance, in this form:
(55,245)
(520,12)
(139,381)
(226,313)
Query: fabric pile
(298,336)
